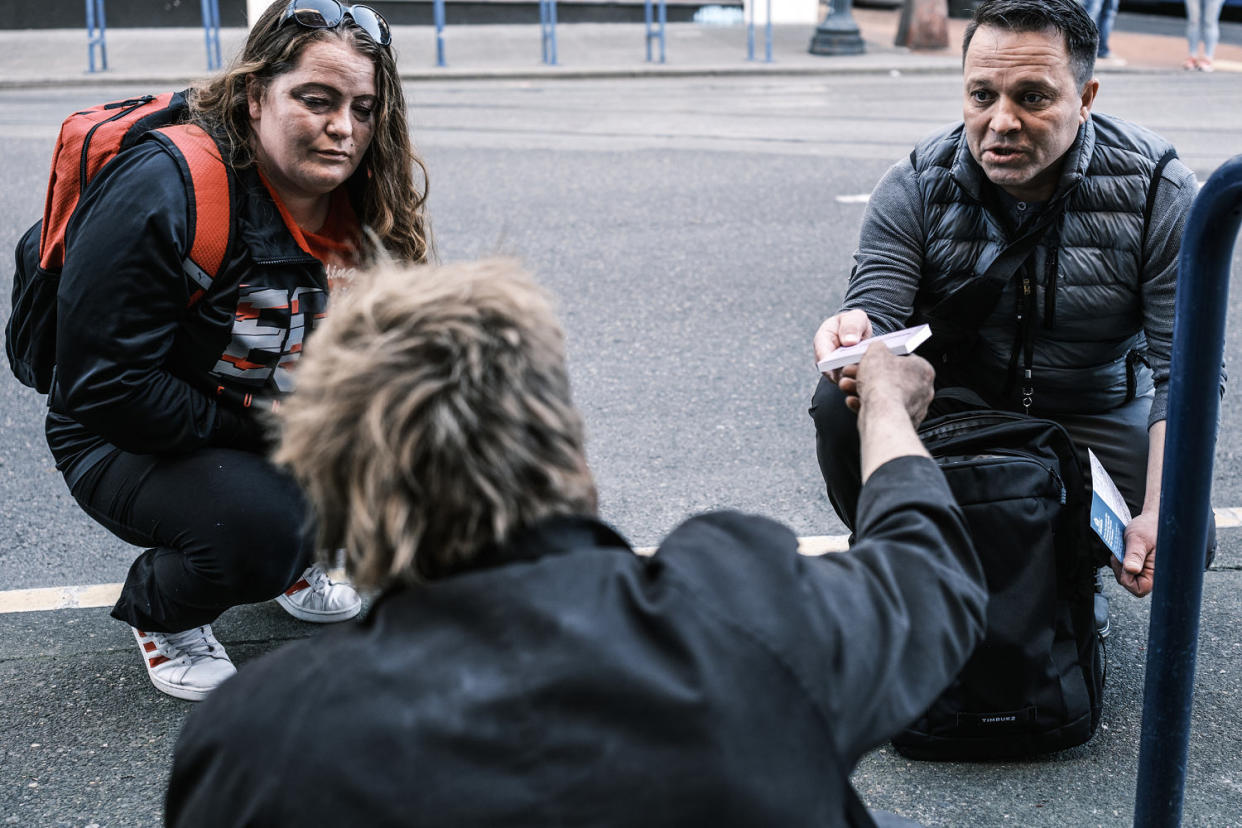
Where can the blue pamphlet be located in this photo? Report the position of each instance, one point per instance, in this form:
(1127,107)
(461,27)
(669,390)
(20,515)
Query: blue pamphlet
(1109,513)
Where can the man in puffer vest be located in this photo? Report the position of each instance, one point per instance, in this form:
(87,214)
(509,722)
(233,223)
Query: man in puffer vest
(1074,219)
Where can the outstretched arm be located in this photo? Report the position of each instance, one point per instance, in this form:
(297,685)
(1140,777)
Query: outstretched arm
(911,590)
(893,395)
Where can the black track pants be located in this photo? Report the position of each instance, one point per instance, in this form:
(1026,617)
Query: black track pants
(225,527)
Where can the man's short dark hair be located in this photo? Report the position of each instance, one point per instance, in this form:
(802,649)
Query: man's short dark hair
(1066,16)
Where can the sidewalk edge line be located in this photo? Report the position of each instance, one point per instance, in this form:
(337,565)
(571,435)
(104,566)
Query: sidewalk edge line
(92,596)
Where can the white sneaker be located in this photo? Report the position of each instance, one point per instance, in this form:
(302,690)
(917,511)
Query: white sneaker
(188,665)
(318,599)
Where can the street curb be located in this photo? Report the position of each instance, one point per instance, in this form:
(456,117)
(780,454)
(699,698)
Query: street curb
(553,73)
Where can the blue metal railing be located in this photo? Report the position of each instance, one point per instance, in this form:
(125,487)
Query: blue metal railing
(96,35)
(437,10)
(767,31)
(211,33)
(652,32)
(547,30)
(1190,442)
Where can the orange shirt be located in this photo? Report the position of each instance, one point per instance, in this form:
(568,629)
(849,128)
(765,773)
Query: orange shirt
(337,243)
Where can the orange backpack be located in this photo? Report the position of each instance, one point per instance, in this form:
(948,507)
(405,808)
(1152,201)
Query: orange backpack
(88,140)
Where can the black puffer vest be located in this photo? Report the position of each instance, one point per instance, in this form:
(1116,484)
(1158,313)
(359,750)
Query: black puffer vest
(1086,332)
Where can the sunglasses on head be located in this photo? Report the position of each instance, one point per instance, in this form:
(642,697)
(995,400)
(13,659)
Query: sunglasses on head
(328,14)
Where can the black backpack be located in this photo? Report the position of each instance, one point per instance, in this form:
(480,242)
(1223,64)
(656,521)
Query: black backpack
(1035,684)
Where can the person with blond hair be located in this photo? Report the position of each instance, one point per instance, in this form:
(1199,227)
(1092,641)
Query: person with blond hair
(522,665)
(160,369)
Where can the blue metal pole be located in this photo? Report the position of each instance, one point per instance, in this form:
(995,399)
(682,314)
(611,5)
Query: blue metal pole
(205,11)
(543,30)
(552,29)
(663,20)
(96,34)
(437,11)
(750,30)
(103,36)
(1189,448)
(90,36)
(215,29)
(767,35)
(211,32)
(648,20)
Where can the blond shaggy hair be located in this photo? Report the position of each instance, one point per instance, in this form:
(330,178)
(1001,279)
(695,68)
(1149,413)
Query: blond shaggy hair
(432,418)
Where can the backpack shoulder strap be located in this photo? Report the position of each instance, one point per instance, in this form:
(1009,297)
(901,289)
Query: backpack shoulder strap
(210,202)
(1156,173)
(967,307)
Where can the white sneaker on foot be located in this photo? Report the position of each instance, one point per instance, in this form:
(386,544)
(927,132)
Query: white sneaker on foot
(318,599)
(188,665)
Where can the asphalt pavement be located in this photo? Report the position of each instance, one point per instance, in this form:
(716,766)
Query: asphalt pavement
(695,229)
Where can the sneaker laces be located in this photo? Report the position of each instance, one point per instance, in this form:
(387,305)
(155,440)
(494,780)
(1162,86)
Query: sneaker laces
(319,581)
(195,644)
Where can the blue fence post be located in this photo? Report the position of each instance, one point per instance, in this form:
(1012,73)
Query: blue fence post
(547,30)
(1189,448)
(648,20)
(437,10)
(663,21)
(750,29)
(96,35)
(211,33)
(767,31)
(767,34)
(543,30)
(651,17)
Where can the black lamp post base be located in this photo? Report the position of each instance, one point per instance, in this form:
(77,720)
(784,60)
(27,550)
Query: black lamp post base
(838,33)
(836,43)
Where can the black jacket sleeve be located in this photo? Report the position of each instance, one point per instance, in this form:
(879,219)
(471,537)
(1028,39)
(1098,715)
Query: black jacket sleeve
(874,634)
(906,604)
(122,297)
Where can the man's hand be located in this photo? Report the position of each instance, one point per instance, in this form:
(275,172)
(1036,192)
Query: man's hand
(885,379)
(892,399)
(1138,572)
(842,330)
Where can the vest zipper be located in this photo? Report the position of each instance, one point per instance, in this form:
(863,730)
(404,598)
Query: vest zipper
(1028,345)
(1051,266)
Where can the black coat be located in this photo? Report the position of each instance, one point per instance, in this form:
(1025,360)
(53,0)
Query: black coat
(727,680)
(137,367)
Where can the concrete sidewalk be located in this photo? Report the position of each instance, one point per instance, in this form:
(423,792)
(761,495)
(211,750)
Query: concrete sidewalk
(170,57)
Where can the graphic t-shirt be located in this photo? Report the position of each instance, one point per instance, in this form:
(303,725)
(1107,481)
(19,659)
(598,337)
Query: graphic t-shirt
(337,243)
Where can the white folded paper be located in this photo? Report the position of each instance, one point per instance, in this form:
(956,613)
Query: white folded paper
(899,342)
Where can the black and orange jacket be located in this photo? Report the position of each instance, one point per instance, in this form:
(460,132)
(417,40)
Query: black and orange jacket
(138,365)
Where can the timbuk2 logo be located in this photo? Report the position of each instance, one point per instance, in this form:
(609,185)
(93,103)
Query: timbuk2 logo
(996,719)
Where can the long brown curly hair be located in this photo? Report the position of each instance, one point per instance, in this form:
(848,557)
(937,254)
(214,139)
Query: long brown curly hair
(391,202)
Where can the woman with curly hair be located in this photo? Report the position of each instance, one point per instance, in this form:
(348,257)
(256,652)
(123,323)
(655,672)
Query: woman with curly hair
(160,369)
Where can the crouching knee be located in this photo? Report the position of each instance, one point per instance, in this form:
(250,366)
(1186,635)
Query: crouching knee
(264,559)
